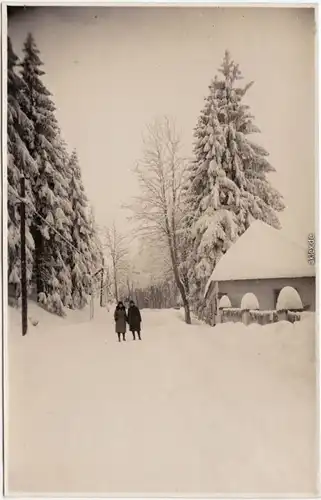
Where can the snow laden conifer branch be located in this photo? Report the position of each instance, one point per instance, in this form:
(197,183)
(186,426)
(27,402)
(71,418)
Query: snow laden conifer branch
(158,210)
(228,183)
(85,261)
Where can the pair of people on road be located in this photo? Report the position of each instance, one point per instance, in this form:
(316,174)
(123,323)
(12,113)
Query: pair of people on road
(132,317)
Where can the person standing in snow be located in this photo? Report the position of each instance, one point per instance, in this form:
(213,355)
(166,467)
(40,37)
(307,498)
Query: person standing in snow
(120,317)
(134,319)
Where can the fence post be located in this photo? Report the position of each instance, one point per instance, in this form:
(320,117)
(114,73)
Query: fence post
(24,301)
(283,315)
(246,317)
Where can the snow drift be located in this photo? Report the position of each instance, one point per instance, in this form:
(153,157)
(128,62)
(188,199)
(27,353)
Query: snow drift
(190,410)
(288,347)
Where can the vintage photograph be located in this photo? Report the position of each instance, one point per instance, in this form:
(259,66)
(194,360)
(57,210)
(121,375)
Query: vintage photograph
(161,266)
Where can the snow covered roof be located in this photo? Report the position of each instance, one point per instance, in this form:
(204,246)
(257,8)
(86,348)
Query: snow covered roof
(262,252)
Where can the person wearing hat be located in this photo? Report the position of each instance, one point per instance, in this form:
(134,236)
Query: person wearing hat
(134,320)
(120,317)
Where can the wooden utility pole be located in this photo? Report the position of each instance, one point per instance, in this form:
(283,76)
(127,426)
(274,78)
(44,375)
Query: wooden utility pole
(102,283)
(92,306)
(24,302)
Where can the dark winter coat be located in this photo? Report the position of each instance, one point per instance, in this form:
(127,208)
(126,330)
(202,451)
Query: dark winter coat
(134,318)
(120,320)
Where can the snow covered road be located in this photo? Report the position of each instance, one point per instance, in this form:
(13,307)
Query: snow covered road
(189,410)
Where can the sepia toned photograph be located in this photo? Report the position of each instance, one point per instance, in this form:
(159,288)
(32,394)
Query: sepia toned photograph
(161,180)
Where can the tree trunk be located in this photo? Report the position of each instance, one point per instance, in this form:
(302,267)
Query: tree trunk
(24,301)
(180,286)
(116,286)
(186,282)
(102,284)
(39,256)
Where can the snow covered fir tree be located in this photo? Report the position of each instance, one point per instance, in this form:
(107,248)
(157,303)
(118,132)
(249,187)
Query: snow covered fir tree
(62,248)
(87,257)
(19,162)
(228,183)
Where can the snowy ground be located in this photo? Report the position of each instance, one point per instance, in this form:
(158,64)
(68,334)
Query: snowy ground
(189,410)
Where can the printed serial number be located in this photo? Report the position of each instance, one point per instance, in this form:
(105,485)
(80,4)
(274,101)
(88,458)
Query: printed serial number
(311,249)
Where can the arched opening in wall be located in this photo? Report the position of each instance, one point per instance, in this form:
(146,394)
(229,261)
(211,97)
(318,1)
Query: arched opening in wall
(220,295)
(249,301)
(217,299)
(224,301)
(276,293)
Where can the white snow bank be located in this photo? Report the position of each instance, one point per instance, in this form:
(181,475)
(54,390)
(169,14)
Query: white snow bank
(40,319)
(224,302)
(189,411)
(289,347)
(289,299)
(249,301)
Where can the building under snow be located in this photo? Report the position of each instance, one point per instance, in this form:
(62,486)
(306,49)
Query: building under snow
(263,261)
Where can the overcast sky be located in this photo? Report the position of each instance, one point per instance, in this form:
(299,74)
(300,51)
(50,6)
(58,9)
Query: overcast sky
(112,70)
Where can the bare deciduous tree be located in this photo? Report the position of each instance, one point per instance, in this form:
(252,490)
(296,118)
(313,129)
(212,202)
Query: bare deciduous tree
(116,246)
(158,209)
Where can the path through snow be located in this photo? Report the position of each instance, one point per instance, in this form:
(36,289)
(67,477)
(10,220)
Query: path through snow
(189,410)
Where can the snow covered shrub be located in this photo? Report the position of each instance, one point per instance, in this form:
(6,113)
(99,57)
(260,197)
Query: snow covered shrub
(42,298)
(55,305)
(224,302)
(249,301)
(289,300)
